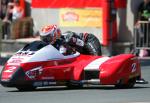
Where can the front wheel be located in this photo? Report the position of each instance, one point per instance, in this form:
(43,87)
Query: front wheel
(26,88)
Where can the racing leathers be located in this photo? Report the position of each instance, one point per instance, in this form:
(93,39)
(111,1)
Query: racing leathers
(84,43)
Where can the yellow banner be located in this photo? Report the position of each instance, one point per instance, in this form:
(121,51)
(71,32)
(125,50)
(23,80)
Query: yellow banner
(81,17)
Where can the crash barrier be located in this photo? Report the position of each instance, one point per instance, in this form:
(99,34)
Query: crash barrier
(142,35)
(0,36)
(22,28)
(0,27)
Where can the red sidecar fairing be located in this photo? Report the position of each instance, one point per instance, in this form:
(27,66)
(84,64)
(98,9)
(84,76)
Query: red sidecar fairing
(48,67)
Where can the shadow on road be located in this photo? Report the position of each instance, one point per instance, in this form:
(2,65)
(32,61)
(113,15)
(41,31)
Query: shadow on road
(81,89)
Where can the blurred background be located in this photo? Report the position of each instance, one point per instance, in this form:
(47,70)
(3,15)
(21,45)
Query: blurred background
(112,21)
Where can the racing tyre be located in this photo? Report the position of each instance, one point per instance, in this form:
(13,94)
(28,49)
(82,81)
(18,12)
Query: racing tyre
(26,88)
(129,84)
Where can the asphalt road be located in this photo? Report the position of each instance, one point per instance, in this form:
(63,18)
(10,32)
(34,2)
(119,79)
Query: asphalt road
(99,94)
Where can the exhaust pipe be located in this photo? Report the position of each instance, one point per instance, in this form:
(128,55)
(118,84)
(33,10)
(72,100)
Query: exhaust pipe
(141,81)
(91,81)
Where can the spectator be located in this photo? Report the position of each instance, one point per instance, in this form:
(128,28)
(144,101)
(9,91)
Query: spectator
(13,12)
(5,16)
(3,8)
(143,15)
(16,10)
(144,10)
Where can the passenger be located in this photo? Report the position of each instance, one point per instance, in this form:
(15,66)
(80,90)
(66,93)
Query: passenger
(69,42)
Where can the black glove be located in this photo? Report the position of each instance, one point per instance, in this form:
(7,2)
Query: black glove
(67,36)
(73,39)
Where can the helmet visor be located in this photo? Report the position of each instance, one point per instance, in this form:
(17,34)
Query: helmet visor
(47,39)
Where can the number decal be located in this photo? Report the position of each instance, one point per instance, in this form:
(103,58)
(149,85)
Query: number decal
(133,67)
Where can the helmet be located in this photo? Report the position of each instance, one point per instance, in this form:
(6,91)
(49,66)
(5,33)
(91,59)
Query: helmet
(50,33)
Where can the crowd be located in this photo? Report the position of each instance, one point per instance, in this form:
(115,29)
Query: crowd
(142,24)
(10,12)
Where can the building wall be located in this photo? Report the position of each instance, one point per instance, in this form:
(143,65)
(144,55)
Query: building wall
(48,16)
(125,19)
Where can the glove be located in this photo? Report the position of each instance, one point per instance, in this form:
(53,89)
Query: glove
(67,36)
(78,41)
(62,50)
(73,39)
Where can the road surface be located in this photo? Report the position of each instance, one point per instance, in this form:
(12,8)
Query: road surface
(98,94)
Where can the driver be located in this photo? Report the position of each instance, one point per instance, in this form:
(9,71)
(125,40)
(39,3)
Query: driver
(51,34)
(69,42)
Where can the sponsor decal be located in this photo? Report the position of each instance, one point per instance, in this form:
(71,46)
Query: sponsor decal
(89,17)
(15,61)
(19,57)
(24,53)
(44,83)
(48,78)
(33,73)
(38,84)
(70,16)
(52,83)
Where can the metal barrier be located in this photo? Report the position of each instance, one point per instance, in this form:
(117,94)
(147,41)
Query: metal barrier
(0,36)
(142,35)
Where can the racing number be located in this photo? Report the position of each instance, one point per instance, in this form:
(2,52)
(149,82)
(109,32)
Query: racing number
(133,67)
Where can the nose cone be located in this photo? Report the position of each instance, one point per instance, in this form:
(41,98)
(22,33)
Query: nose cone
(12,77)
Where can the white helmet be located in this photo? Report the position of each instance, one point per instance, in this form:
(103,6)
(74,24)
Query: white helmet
(50,33)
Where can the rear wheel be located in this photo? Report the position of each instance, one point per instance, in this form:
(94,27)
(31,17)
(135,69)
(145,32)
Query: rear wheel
(129,84)
(26,88)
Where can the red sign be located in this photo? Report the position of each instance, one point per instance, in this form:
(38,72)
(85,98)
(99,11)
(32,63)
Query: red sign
(65,3)
(120,3)
(74,3)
